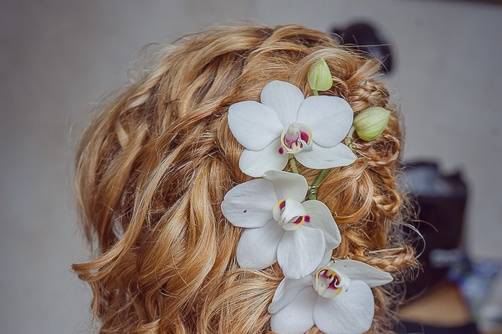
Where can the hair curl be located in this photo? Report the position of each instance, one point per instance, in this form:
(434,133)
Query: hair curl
(153,167)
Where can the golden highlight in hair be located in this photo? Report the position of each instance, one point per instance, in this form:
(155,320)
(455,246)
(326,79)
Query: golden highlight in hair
(153,167)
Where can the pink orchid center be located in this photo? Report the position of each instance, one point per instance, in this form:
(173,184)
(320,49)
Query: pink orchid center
(328,283)
(290,214)
(296,138)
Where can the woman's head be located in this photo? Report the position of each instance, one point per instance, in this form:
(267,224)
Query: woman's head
(154,166)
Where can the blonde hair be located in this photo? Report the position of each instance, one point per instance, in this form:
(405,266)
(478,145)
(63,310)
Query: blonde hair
(153,167)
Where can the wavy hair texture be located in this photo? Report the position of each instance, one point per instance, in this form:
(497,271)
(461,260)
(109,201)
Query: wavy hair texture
(153,167)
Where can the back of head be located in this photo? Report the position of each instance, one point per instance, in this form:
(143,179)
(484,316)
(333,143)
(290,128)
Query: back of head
(155,165)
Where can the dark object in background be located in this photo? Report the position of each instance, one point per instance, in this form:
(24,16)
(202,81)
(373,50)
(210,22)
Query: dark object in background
(368,39)
(442,201)
(411,327)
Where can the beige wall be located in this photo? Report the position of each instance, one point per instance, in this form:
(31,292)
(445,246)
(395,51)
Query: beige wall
(58,58)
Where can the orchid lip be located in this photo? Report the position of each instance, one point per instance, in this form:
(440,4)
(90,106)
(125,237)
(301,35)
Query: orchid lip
(296,138)
(329,283)
(290,214)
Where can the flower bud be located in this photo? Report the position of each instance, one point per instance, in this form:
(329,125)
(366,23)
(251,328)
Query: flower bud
(370,123)
(320,76)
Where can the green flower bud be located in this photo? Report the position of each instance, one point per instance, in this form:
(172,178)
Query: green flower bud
(320,76)
(370,123)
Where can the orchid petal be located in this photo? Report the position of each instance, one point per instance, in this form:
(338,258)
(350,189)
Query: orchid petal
(249,204)
(326,259)
(256,163)
(329,118)
(287,291)
(361,271)
(321,218)
(295,318)
(284,98)
(288,185)
(300,252)
(257,248)
(350,312)
(253,124)
(322,158)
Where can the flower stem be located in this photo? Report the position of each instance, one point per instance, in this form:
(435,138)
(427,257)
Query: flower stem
(317,183)
(350,137)
(292,164)
(315,92)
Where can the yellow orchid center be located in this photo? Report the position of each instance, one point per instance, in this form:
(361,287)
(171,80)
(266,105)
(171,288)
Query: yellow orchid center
(296,138)
(290,214)
(328,283)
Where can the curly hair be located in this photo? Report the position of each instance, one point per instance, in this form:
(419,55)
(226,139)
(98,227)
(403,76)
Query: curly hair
(153,167)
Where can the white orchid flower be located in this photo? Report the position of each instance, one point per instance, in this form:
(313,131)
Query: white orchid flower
(284,123)
(337,298)
(279,224)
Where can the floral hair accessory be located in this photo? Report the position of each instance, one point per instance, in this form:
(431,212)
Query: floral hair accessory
(370,123)
(336,298)
(320,77)
(280,225)
(286,124)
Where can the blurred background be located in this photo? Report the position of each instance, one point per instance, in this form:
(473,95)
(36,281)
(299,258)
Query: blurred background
(59,59)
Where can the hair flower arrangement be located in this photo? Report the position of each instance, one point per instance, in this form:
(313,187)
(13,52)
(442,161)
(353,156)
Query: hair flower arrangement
(336,298)
(286,123)
(280,224)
